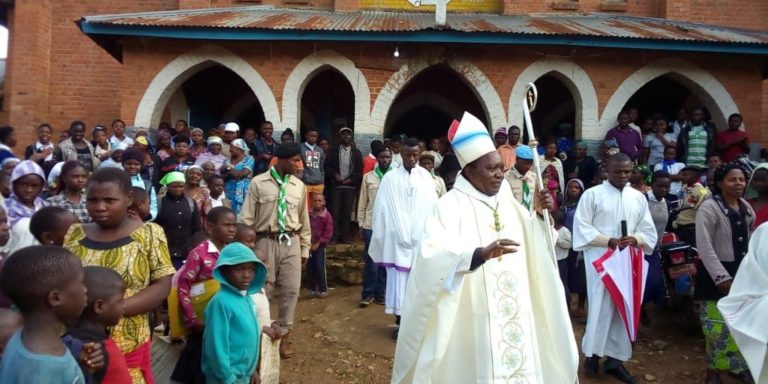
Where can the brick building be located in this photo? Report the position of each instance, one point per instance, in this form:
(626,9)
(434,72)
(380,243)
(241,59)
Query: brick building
(382,66)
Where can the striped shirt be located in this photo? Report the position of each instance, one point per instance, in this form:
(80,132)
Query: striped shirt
(697,146)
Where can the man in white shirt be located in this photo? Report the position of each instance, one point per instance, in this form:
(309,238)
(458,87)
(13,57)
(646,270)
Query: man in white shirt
(596,229)
(403,203)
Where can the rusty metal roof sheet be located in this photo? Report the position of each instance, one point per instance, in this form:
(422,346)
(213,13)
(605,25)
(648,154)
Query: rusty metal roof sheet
(286,19)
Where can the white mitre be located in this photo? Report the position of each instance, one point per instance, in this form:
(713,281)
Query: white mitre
(470,139)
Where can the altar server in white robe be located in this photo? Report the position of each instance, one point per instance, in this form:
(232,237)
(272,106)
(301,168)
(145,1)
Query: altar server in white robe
(596,228)
(745,309)
(484,301)
(405,198)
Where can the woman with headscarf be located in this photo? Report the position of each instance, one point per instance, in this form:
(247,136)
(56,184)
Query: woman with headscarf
(150,171)
(198,142)
(141,132)
(164,149)
(27,182)
(757,193)
(213,154)
(577,280)
(194,189)
(9,164)
(237,174)
(723,224)
(641,178)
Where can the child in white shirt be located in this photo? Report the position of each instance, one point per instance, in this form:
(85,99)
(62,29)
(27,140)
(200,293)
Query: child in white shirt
(562,249)
(269,356)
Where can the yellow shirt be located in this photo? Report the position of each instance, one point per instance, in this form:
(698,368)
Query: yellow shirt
(139,259)
(260,208)
(690,200)
(368,192)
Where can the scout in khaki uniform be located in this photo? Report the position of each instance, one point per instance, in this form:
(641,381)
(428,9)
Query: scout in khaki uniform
(520,177)
(276,208)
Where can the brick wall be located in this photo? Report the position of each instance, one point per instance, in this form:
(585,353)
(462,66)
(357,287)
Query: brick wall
(57,74)
(631,7)
(751,14)
(607,69)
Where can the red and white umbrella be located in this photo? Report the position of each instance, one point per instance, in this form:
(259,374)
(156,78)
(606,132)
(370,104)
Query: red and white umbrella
(624,272)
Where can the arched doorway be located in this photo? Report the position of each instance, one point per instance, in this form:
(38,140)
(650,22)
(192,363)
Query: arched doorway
(168,81)
(662,96)
(429,103)
(556,109)
(702,85)
(216,94)
(328,103)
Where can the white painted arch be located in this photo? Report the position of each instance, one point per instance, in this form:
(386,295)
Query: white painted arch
(700,82)
(574,78)
(475,78)
(175,73)
(307,69)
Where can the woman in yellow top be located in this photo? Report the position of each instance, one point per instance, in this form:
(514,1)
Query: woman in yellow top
(137,251)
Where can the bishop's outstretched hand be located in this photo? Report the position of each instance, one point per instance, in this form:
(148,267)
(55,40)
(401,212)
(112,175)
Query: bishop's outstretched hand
(499,248)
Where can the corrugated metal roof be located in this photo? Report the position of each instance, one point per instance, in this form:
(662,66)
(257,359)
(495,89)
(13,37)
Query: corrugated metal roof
(594,25)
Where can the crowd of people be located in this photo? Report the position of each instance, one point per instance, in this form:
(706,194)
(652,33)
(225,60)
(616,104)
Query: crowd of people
(685,183)
(211,224)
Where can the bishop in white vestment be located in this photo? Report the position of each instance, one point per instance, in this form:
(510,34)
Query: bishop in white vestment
(405,198)
(596,227)
(484,300)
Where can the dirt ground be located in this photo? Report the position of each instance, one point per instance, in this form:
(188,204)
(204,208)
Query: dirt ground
(336,342)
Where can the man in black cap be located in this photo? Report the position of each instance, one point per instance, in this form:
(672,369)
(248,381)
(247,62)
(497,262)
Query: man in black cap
(344,167)
(276,208)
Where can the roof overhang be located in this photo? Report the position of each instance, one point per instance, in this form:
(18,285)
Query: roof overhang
(601,31)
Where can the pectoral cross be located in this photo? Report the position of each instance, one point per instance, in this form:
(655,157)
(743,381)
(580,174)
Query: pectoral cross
(497,226)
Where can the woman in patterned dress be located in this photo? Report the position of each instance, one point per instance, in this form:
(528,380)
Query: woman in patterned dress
(137,251)
(723,225)
(237,174)
(198,146)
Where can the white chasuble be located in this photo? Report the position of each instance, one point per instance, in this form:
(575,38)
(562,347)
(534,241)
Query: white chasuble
(506,321)
(598,219)
(745,309)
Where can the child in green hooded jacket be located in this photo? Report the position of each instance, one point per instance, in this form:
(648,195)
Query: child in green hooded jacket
(231,337)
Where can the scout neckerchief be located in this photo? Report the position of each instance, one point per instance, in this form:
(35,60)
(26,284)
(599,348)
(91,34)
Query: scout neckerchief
(526,195)
(377,171)
(282,204)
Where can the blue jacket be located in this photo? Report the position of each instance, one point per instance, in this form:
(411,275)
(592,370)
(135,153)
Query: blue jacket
(231,338)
